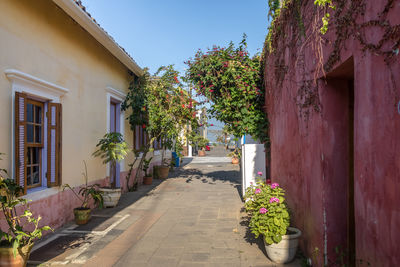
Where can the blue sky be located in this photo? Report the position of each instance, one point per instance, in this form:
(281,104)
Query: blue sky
(163,32)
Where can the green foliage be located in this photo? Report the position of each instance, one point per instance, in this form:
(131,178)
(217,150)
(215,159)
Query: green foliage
(231,80)
(87,191)
(200,141)
(325,19)
(268,211)
(236,153)
(17,235)
(146,166)
(111,149)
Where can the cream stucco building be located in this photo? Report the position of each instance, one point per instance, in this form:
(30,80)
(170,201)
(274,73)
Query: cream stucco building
(62,79)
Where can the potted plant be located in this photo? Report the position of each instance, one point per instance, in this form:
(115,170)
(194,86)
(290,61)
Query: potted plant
(270,218)
(235,154)
(148,178)
(23,229)
(111,149)
(85,193)
(201,143)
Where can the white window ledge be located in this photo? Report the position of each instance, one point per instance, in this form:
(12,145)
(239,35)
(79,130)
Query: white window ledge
(40,193)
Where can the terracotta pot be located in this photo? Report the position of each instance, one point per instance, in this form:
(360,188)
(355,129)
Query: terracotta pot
(202,153)
(285,250)
(82,215)
(235,161)
(163,172)
(147,180)
(7,256)
(111,196)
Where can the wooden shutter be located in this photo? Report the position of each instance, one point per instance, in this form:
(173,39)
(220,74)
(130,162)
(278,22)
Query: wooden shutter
(54,145)
(20,139)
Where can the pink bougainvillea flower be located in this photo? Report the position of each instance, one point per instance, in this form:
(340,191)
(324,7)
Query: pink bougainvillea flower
(259,173)
(258,191)
(268,181)
(263,210)
(274,199)
(144,126)
(211,90)
(274,185)
(211,124)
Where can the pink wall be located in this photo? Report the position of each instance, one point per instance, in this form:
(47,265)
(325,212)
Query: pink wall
(57,209)
(310,148)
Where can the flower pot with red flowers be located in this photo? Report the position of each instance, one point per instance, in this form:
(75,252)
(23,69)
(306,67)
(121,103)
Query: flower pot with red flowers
(266,206)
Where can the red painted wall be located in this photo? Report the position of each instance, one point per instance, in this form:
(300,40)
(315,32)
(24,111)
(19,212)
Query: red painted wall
(310,148)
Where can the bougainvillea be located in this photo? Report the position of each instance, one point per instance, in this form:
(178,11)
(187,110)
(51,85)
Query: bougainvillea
(230,80)
(159,105)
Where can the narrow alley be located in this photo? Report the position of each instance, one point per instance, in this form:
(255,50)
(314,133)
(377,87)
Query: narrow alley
(193,218)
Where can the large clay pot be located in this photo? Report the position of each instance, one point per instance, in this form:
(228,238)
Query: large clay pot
(163,172)
(284,251)
(235,161)
(7,256)
(111,196)
(147,180)
(202,153)
(82,215)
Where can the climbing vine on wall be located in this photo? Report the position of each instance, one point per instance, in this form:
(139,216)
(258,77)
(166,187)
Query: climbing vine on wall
(297,25)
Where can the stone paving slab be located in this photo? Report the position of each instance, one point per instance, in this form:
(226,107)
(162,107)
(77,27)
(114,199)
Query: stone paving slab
(193,218)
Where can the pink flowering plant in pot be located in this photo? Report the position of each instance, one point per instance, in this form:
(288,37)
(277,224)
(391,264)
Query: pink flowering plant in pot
(268,211)
(269,217)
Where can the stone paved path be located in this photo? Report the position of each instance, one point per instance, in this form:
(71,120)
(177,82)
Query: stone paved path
(193,218)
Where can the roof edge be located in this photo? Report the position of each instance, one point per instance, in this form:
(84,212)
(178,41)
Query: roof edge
(86,22)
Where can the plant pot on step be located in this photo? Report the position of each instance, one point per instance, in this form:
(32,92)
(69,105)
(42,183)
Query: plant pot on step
(7,256)
(147,180)
(285,250)
(82,215)
(163,172)
(235,161)
(111,196)
(202,153)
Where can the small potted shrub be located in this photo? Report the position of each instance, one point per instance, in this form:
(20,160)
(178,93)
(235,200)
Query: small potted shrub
(85,193)
(235,155)
(163,169)
(201,143)
(148,178)
(270,218)
(111,149)
(23,229)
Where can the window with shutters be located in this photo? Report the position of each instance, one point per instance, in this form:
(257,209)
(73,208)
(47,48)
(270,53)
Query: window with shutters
(37,142)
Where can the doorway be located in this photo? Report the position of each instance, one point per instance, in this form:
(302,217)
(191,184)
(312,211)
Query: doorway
(340,163)
(115,113)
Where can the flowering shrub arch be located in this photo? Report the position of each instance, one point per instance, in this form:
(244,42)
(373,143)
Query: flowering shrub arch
(230,79)
(268,211)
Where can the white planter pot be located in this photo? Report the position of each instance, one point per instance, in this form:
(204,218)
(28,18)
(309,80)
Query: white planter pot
(285,250)
(111,196)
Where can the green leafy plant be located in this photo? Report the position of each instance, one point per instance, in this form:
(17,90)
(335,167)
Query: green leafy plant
(231,80)
(200,141)
(146,166)
(161,107)
(87,192)
(112,149)
(265,203)
(17,235)
(236,153)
